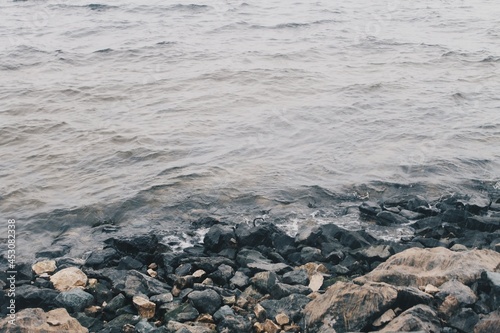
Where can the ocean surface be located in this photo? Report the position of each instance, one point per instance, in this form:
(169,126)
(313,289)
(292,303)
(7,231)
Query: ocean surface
(148,115)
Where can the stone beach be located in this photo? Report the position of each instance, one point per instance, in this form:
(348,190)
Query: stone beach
(257,278)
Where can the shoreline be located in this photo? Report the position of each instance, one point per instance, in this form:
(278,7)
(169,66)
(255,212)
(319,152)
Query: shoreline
(257,278)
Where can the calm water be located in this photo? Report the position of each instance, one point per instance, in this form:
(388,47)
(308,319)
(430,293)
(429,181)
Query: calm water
(151,114)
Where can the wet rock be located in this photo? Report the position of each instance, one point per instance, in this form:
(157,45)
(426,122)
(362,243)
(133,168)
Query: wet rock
(489,324)
(292,306)
(417,318)
(74,300)
(386,218)
(145,308)
(349,307)
(331,233)
(219,237)
(101,258)
(453,215)
(482,223)
(56,251)
(416,202)
(476,204)
(463,294)
(181,313)
(45,266)
(34,320)
(31,296)
(137,283)
(374,253)
(370,208)
(417,267)
(297,276)
(135,244)
(264,281)
(208,264)
(409,215)
(206,301)
(464,320)
(240,280)
(256,261)
(263,234)
(69,278)
(204,222)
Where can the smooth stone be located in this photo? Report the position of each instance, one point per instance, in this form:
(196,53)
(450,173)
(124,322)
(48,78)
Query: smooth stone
(45,266)
(69,278)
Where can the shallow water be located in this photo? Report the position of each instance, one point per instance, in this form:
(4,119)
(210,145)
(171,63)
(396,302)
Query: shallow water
(149,115)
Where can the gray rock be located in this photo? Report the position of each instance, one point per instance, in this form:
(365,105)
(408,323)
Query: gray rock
(28,296)
(222,275)
(493,280)
(370,208)
(117,302)
(386,218)
(489,324)
(292,306)
(462,293)
(375,253)
(137,283)
(75,300)
(280,290)
(223,312)
(181,313)
(464,320)
(264,281)
(162,298)
(206,301)
(482,223)
(240,280)
(144,327)
(256,261)
(297,276)
(101,258)
(219,237)
(417,318)
(408,214)
(310,254)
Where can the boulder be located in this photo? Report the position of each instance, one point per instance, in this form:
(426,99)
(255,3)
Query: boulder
(386,218)
(417,318)
(264,281)
(219,237)
(374,253)
(253,236)
(134,244)
(45,266)
(101,258)
(464,320)
(280,290)
(137,283)
(256,261)
(419,267)
(240,280)
(69,278)
(206,301)
(482,223)
(116,303)
(346,306)
(181,313)
(463,294)
(489,324)
(35,320)
(74,300)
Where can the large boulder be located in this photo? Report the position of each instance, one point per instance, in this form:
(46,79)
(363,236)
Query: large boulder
(35,320)
(418,318)
(419,267)
(347,307)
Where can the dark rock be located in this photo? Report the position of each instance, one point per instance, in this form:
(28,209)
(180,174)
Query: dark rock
(292,306)
(137,283)
(386,218)
(234,323)
(207,301)
(473,239)
(417,318)
(416,202)
(117,302)
(116,325)
(144,327)
(461,292)
(184,269)
(162,298)
(102,258)
(408,214)
(455,216)
(411,296)
(93,324)
(280,290)
(28,296)
(394,210)
(370,208)
(208,264)
(309,235)
(204,222)
(257,262)
(43,283)
(101,291)
(476,204)
(482,223)
(135,244)
(493,281)
(374,253)
(464,320)
(297,276)
(56,251)
(223,312)
(331,233)
(182,313)
(263,234)
(428,222)
(310,254)
(284,244)
(240,280)
(128,263)
(401,200)
(264,281)
(75,300)
(219,237)
(222,275)
(429,242)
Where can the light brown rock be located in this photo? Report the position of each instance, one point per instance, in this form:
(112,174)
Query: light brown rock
(417,318)
(417,267)
(346,306)
(174,326)
(199,274)
(152,273)
(270,326)
(430,289)
(205,318)
(35,320)
(282,319)
(311,268)
(259,312)
(69,278)
(449,306)
(145,308)
(45,266)
(316,281)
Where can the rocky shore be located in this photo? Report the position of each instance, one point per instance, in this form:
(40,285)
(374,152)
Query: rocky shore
(256,278)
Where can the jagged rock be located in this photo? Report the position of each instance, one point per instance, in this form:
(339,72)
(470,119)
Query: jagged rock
(385,318)
(264,281)
(117,324)
(410,296)
(310,254)
(282,319)
(134,245)
(449,306)
(208,264)
(30,296)
(349,307)
(375,253)
(222,275)
(370,208)
(240,280)
(417,267)
(101,258)
(129,263)
(224,311)
(270,327)
(206,301)
(263,234)
(233,323)
(45,266)
(464,294)
(219,237)
(493,281)
(430,289)
(417,318)
(280,290)
(144,327)
(386,218)
(464,320)
(482,223)
(255,260)
(489,324)
(181,313)
(145,308)
(260,312)
(69,278)
(162,298)
(35,320)
(297,276)
(117,302)
(331,233)
(292,306)
(316,282)
(137,283)
(177,327)
(74,300)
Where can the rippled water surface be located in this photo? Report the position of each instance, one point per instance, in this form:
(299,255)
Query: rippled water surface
(151,113)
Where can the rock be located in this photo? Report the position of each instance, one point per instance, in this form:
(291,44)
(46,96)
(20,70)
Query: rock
(34,320)
(386,218)
(137,283)
(240,280)
(45,266)
(280,290)
(449,306)
(264,281)
(417,267)
(263,234)
(464,320)
(349,307)
(208,264)
(292,306)
(117,325)
(74,300)
(310,254)
(234,323)
(260,312)
(270,327)
(331,233)
(282,319)
(493,281)
(316,282)
(101,258)
(255,260)
(488,324)
(152,273)
(458,216)
(206,301)
(482,223)
(476,204)
(223,312)
(430,289)
(181,313)
(222,275)
(144,327)
(162,298)
(385,318)
(297,276)
(219,237)
(204,222)
(464,294)
(145,308)
(135,244)
(416,202)
(31,296)
(129,263)
(374,253)
(177,327)
(69,278)
(370,208)
(117,302)
(417,318)
(459,248)
(410,296)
